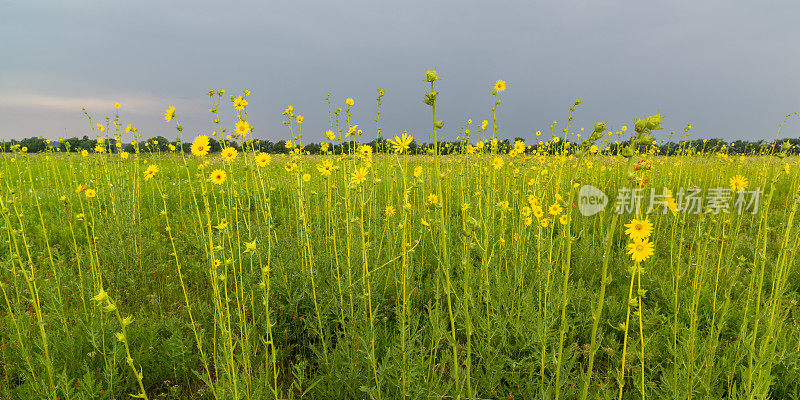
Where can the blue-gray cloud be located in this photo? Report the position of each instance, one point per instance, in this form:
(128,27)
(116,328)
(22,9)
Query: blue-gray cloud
(729,67)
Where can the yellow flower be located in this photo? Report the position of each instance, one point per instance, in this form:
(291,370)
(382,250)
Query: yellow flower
(350,101)
(738,183)
(263,159)
(526,211)
(169,114)
(564,219)
(639,229)
(101,127)
(229,154)
(330,135)
(365,151)
(117,105)
(502,205)
(418,171)
(640,250)
(554,209)
(500,86)
(306,177)
(150,172)
(498,162)
(200,146)
(124,155)
(218,176)
(433,199)
(389,211)
(359,176)
(299,119)
(327,167)
(90,193)
(400,144)
(242,127)
(239,103)
(544,223)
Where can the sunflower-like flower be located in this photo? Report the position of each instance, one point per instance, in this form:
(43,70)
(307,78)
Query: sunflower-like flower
(365,151)
(401,143)
(500,86)
(640,250)
(200,146)
(739,183)
(218,176)
(327,167)
(169,113)
(359,176)
(239,103)
(229,154)
(498,162)
(243,128)
(639,229)
(263,159)
(150,172)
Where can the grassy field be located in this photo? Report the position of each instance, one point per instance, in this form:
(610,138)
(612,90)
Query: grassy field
(383,275)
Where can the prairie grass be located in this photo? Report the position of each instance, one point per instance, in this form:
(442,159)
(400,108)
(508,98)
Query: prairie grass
(370,272)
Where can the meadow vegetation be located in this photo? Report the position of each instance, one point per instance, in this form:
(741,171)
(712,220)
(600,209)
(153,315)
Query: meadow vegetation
(385,268)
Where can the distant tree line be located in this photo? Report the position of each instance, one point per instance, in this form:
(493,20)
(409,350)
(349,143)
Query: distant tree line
(162,144)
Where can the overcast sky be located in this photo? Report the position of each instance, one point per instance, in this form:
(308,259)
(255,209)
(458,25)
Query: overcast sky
(731,67)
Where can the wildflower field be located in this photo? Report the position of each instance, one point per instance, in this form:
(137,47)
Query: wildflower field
(394,269)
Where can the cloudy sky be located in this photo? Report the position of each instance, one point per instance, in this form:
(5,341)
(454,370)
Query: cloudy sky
(730,67)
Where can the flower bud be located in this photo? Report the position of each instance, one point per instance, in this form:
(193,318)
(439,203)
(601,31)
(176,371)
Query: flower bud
(431,75)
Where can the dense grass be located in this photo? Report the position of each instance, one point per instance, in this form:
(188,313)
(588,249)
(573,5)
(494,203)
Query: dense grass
(278,284)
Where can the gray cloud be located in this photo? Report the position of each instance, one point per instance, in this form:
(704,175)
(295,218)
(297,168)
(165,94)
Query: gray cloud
(727,66)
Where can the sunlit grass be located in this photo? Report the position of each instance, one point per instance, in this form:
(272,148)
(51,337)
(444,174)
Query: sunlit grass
(383,268)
